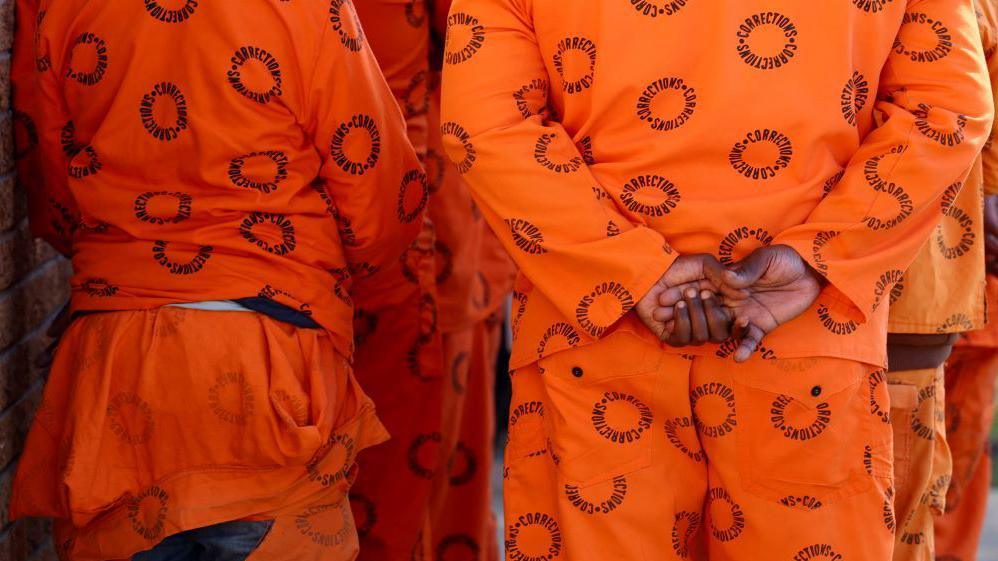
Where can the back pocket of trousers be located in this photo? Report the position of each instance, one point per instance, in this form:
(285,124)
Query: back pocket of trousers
(808,439)
(598,409)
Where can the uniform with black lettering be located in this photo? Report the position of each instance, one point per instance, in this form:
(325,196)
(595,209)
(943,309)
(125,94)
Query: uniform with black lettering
(399,358)
(971,372)
(942,294)
(226,180)
(603,139)
(441,471)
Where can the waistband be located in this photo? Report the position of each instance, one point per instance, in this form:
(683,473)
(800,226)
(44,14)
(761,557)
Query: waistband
(260,305)
(213,306)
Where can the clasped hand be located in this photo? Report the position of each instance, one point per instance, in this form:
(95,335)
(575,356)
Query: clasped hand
(699,300)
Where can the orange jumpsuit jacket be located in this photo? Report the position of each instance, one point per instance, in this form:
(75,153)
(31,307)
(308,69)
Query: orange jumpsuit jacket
(605,138)
(214,150)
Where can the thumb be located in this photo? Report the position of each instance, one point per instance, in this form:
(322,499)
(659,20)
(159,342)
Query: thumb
(749,270)
(714,271)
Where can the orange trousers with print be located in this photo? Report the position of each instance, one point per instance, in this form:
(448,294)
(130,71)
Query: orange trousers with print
(622,451)
(463,526)
(970,390)
(922,461)
(398,364)
(160,421)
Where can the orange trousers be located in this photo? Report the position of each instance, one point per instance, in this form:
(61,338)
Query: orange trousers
(970,389)
(159,421)
(426,493)
(619,450)
(922,461)
(463,526)
(398,364)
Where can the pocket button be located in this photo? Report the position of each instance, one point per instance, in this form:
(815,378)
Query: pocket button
(576,371)
(816,391)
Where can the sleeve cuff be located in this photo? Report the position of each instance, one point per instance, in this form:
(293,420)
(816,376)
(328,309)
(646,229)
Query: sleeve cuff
(834,294)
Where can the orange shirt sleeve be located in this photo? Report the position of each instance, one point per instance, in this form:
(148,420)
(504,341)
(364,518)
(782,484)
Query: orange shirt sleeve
(935,116)
(526,174)
(39,134)
(347,91)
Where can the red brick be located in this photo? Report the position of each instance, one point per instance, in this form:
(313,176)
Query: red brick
(46,553)
(17,542)
(14,424)
(6,544)
(6,142)
(6,478)
(5,79)
(36,296)
(16,254)
(15,374)
(6,24)
(13,202)
(19,368)
(37,533)
(32,286)
(43,252)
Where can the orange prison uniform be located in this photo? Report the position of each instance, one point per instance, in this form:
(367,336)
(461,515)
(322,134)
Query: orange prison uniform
(943,292)
(195,152)
(473,286)
(391,498)
(399,357)
(971,373)
(922,462)
(600,152)
(970,386)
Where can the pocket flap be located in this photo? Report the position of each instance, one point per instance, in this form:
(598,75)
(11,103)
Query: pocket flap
(807,386)
(598,410)
(632,355)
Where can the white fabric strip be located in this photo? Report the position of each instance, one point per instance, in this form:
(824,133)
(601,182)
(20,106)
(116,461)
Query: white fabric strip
(214,306)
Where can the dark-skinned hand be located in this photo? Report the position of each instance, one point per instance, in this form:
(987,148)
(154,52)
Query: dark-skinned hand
(698,319)
(767,289)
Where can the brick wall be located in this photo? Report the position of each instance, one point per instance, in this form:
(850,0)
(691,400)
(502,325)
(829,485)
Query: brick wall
(32,289)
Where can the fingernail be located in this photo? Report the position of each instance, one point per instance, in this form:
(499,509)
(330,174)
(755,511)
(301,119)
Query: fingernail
(681,304)
(706,294)
(691,293)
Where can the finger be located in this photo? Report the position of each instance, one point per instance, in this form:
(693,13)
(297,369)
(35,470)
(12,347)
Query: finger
(699,332)
(714,271)
(663,314)
(727,292)
(646,307)
(749,270)
(718,319)
(686,269)
(670,296)
(680,336)
(750,341)
(715,280)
